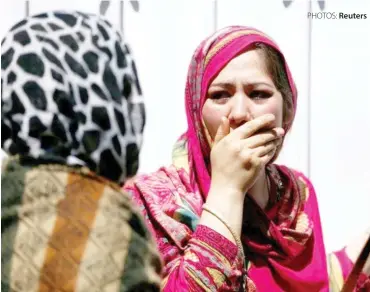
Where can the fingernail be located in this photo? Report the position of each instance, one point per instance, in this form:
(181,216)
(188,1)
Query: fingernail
(271,117)
(280,132)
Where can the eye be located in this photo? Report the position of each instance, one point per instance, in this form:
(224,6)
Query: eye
(219,95)
(259,94)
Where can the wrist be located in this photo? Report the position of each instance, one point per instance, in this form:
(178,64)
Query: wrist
(226,191)
(229,205)
(228,200)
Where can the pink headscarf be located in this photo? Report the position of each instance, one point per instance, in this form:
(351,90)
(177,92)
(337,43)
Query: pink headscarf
(209,58)
(296,260)
(284,244)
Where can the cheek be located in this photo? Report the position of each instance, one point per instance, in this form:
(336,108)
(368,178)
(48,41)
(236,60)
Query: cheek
(275,107)
(212,115)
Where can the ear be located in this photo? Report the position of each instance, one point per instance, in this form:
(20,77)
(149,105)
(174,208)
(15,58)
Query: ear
(288,116)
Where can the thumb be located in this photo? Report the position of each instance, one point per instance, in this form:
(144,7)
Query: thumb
(223,130)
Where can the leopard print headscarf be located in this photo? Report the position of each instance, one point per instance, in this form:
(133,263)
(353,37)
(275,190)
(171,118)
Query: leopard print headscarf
(71,94)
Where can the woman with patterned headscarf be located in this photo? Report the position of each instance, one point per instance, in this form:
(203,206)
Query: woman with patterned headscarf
(72,120)
(226,218)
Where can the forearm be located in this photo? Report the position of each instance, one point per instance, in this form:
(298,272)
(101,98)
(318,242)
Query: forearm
(206,259)
(229,207)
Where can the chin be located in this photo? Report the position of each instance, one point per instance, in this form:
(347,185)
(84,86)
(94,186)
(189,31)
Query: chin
(276,155)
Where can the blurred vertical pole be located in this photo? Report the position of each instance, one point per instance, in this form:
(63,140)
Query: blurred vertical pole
(27,8)
(309,57)
(121,18)
(215,15)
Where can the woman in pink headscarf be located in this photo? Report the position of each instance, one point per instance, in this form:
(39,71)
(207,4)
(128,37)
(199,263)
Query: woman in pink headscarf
(225,217)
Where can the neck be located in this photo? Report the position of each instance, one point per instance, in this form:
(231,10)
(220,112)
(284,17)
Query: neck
(259,191)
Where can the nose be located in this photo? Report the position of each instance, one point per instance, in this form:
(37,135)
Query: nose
(240,110)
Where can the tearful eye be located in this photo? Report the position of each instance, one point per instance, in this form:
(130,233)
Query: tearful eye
(219,95)
(257,94)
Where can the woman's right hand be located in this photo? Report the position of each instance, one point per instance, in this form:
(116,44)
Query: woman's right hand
(237,157)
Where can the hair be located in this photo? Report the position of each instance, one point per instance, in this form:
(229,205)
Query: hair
(276,68)
(275,65)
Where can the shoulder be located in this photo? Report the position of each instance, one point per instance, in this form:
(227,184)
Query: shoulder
(165,179)
(166,193)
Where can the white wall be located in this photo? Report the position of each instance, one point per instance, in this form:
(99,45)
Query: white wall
(340,120)
(330,60)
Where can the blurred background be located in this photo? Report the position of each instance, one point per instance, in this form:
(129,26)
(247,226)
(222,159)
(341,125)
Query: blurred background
(329,59)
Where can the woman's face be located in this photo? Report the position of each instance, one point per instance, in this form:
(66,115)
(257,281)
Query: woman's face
(242,91)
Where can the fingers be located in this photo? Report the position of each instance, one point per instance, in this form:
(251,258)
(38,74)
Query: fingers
(253,126)
(266,158)
(264,138)
(261,155)
(223,129)
(266,149)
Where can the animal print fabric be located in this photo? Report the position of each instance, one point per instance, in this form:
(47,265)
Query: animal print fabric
(71,94)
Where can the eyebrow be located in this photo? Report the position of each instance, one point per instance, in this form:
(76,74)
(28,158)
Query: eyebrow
(229,84)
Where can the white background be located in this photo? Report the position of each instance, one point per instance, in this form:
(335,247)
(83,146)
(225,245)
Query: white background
(329,59)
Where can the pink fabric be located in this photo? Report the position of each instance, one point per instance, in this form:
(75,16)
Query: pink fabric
(199,78)
(346,263)
(284,246)
(280,268)
(190,251)
(289,260)
(363,282)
